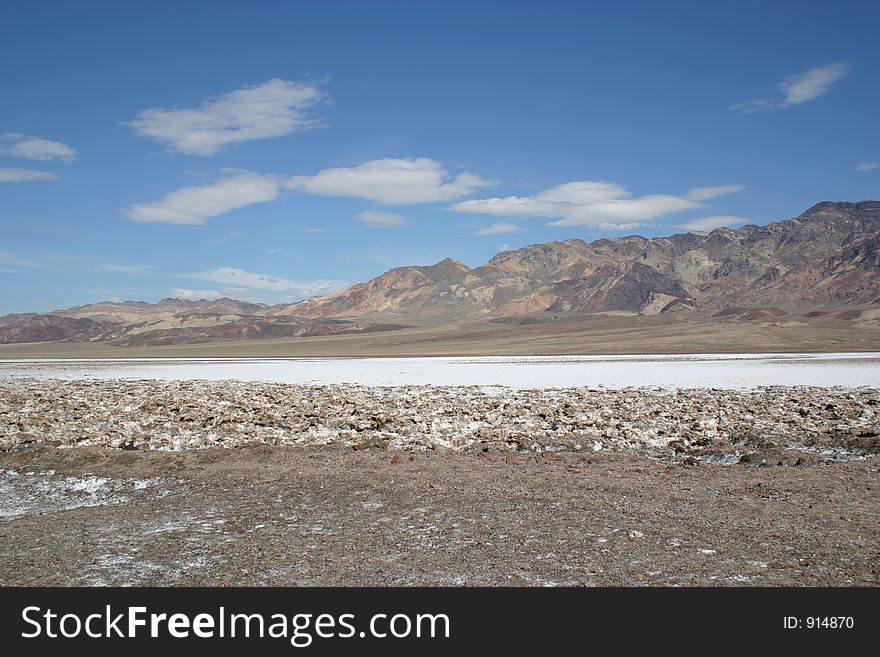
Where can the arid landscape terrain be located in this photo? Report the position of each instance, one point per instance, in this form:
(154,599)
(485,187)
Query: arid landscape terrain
(398,312)
(120,473)
(811,283)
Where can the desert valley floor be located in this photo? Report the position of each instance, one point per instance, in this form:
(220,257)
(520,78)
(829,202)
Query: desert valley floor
(150,473)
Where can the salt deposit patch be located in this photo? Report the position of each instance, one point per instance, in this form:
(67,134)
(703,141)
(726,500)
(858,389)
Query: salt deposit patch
(731,371)
(33,493)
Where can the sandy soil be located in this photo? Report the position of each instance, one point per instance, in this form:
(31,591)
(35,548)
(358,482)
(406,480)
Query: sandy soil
(333,515)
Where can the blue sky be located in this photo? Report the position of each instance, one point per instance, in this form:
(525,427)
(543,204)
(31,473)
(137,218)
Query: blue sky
(269,151)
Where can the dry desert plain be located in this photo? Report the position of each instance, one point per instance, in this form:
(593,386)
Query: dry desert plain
(606,333)
(146,482)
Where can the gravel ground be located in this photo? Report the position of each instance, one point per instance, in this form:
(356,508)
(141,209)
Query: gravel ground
(276,515)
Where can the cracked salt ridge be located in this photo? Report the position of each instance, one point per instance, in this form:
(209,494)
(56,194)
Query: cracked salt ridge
(35,493)
(186,415)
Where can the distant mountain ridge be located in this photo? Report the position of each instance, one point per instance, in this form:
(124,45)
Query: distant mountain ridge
(825,262)
(826,255)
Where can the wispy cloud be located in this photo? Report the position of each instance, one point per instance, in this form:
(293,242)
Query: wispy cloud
(49,261)
(392,182)
(193,205)
(593,203)
(500,229)
(233,278)
(272,109)
(708,193)
(35,148)
(15,175)
(867,166)
(706,224)
(799,88)
(626,225)
(313,229)
(129,269)
(17,260)
(378,219)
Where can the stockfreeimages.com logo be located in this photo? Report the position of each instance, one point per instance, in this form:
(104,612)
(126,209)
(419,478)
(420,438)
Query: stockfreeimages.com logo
(300,629)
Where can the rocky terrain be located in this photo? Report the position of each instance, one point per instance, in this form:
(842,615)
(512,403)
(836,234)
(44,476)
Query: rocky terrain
(133,482)
(819,270)
(782,424)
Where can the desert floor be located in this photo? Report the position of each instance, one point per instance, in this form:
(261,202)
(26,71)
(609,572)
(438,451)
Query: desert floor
(266,515)
(596,335)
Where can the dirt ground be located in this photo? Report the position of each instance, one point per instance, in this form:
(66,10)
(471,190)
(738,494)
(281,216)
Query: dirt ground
(268,515)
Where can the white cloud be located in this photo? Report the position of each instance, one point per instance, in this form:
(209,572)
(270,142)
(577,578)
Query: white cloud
(867,166)
(500,229)
(35,148)
(377,219)
(238,278)
(706,224)
(391,182)
(272,109)
(592,203)
(14,175)
(553,202)
(129,269)
(194,295)
(816,82)
(193,205)
(708,193)
(314,230)
(627,210)
(799,88)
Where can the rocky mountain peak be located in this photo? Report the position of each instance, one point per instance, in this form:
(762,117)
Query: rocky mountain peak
(447,270)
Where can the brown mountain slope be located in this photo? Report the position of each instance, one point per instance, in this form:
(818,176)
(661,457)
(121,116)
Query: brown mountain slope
(33,327)
(828,255)
(821,267)
(139,311)
(169,322)
(403,289)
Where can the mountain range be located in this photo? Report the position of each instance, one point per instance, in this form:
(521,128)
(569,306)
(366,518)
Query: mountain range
(822,266)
